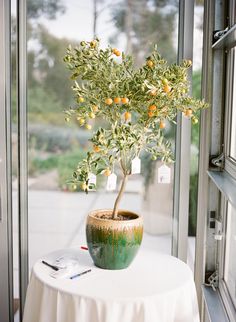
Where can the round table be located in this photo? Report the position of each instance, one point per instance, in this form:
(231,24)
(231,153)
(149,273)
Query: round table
(155,288)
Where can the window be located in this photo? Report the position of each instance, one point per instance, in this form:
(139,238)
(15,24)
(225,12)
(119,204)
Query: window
(54,219)
(230,104)
(227,246)
(230,259)
(232,152)
(56,212)
(216,227)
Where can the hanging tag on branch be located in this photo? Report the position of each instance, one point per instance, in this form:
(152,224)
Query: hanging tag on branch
(136,165)
(164,174)
(92,179)
(111,182)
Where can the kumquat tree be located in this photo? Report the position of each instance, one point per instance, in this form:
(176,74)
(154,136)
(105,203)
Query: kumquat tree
(136,104)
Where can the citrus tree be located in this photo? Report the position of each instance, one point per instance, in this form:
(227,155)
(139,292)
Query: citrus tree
(136,103)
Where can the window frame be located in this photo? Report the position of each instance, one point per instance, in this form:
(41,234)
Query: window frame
(6,236)
(229,167)
(215,187)
(230,163)
(223,289)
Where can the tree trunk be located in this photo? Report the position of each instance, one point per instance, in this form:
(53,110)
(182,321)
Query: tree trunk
(120,194)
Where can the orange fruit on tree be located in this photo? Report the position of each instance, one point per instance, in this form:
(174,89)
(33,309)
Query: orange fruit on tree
(80,99)
(81,121)
(83,186)
(93,44)
(116,52)
(150,63)
(95,108)
(74,186)
(108,101)
(117,100)
(91,115)
(152,108)
(166,88)
(188,112)
(189,62)
(194,120)
(165,81)
(162,125)
(150,114)
(88,126)
(96,148)
(107,172)
(125,100)
(153,92)
(127,116)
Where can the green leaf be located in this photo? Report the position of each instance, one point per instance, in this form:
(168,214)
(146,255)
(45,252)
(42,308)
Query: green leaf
(100,170)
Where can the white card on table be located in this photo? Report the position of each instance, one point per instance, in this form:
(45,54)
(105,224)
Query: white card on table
(164,174)
(92,179)
(136,165)
(111,182)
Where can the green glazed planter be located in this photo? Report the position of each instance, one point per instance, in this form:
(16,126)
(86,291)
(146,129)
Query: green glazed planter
(113,244)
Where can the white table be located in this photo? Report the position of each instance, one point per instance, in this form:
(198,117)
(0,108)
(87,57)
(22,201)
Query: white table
(155,288)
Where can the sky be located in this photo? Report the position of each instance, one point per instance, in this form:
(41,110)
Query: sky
(77,24)
(77,21)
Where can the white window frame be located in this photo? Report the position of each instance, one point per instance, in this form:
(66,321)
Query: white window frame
(230,163)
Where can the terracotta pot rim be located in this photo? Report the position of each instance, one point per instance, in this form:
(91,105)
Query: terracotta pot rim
(123,211)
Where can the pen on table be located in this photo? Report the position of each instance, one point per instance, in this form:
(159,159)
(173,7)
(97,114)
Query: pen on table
(50,265)
(82,273)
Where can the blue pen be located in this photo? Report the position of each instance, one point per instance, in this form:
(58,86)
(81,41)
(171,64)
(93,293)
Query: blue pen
(82,273)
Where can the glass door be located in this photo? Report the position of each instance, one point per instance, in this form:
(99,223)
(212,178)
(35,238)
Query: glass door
(57,213)
(52,212)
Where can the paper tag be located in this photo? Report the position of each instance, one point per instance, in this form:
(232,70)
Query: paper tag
(92,179)
(136,165)
(164,174)
(111,182)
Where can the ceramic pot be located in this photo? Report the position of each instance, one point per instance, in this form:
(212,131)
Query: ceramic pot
(113,244)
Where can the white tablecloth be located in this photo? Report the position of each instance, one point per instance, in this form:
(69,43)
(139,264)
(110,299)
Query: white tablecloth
(155,288)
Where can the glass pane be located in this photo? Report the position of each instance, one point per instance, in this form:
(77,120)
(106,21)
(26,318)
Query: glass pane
(196,91)
(56,212)
(15,222)
(233,117)
(230,259)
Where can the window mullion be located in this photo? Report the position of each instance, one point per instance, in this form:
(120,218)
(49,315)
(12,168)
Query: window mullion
(183,142)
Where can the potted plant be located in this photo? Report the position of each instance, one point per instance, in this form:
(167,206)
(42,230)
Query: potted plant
(136,105)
